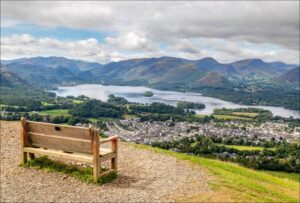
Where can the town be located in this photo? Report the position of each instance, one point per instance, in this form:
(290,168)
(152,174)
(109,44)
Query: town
(149,132)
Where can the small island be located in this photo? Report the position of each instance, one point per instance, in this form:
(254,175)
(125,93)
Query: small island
(148,94)
(190,105)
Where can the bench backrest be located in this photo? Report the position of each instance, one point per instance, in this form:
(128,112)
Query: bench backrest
(60,137)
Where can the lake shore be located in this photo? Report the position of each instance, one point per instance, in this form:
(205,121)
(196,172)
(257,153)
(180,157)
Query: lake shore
(135,94)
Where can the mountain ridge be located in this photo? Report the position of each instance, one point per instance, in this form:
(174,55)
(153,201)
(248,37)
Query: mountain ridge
(160,72)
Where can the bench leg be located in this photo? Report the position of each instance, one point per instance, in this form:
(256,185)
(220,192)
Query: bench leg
(114,163)
(32,156)
(23,157)
(96,172)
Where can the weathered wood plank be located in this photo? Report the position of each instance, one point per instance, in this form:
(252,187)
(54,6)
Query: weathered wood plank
(23,141)
(96,149)
(61,143)
(107,157)
(114,161)
(59,154)
(110,139)
(59,130)
(105,151)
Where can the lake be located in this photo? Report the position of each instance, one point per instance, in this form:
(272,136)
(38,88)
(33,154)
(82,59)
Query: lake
(136,94)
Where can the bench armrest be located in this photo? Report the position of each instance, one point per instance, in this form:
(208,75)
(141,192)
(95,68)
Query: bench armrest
(110,139)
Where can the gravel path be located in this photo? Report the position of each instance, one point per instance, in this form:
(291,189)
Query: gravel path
(144,176)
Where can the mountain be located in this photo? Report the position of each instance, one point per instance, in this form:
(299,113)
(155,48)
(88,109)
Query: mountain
(259,67)
(10,79)
(163,72)
(42,75)
(211,65)
(74,66)
(291,76)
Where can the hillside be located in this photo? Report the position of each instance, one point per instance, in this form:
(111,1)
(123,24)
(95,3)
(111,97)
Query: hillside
(54,62)
(206,76)
(145,174)
(162,72)
(10,79)
(291,76)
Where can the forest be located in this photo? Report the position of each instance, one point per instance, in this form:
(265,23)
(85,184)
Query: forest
(282,157)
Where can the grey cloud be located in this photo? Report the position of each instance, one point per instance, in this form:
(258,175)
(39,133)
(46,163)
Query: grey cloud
(175,24)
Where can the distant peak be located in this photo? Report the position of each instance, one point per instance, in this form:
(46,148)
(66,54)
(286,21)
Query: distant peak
(208,59)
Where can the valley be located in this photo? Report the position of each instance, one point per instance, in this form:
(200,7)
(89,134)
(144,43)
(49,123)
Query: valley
(246,82)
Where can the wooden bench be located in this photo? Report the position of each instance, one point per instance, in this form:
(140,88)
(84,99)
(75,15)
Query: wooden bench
(67,142)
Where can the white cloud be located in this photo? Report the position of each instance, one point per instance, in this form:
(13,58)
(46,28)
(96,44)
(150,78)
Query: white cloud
(27,46)
(115,49)
(258,22)
(227,31)
(131,41)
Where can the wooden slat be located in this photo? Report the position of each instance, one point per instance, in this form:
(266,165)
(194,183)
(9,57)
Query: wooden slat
(61,143)
(114,161)
(110,139)
(105,151)
(59,154)
(107,157)
(59,130)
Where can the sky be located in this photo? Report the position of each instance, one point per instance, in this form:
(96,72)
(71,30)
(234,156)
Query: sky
(102,31)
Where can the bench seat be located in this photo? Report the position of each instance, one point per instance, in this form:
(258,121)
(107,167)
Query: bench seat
(105,154)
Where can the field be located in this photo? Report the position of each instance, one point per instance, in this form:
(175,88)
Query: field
(245,114)
(55,112)
(46,103)
(232,182)
(129,116)
(242,148)
(225,117)
(76,101)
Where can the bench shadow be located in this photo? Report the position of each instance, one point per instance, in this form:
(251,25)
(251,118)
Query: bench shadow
(124,181)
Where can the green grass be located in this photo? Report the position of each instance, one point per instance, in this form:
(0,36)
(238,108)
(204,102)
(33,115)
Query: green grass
(55,112)
(129,116)
(245,114)
(76,101)
(227,117)
(46,103)
(93,120)
(290,176)
(242,148)
(237,183)
(84,174)
(224,117)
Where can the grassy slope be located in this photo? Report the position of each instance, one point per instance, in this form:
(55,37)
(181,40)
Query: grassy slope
(238,183)
(55,112)
(242,148)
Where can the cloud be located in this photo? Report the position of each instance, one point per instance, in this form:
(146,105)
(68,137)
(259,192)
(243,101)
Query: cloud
(27,46)
(115,49)
(131,41)
(257,22)
(225,30)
